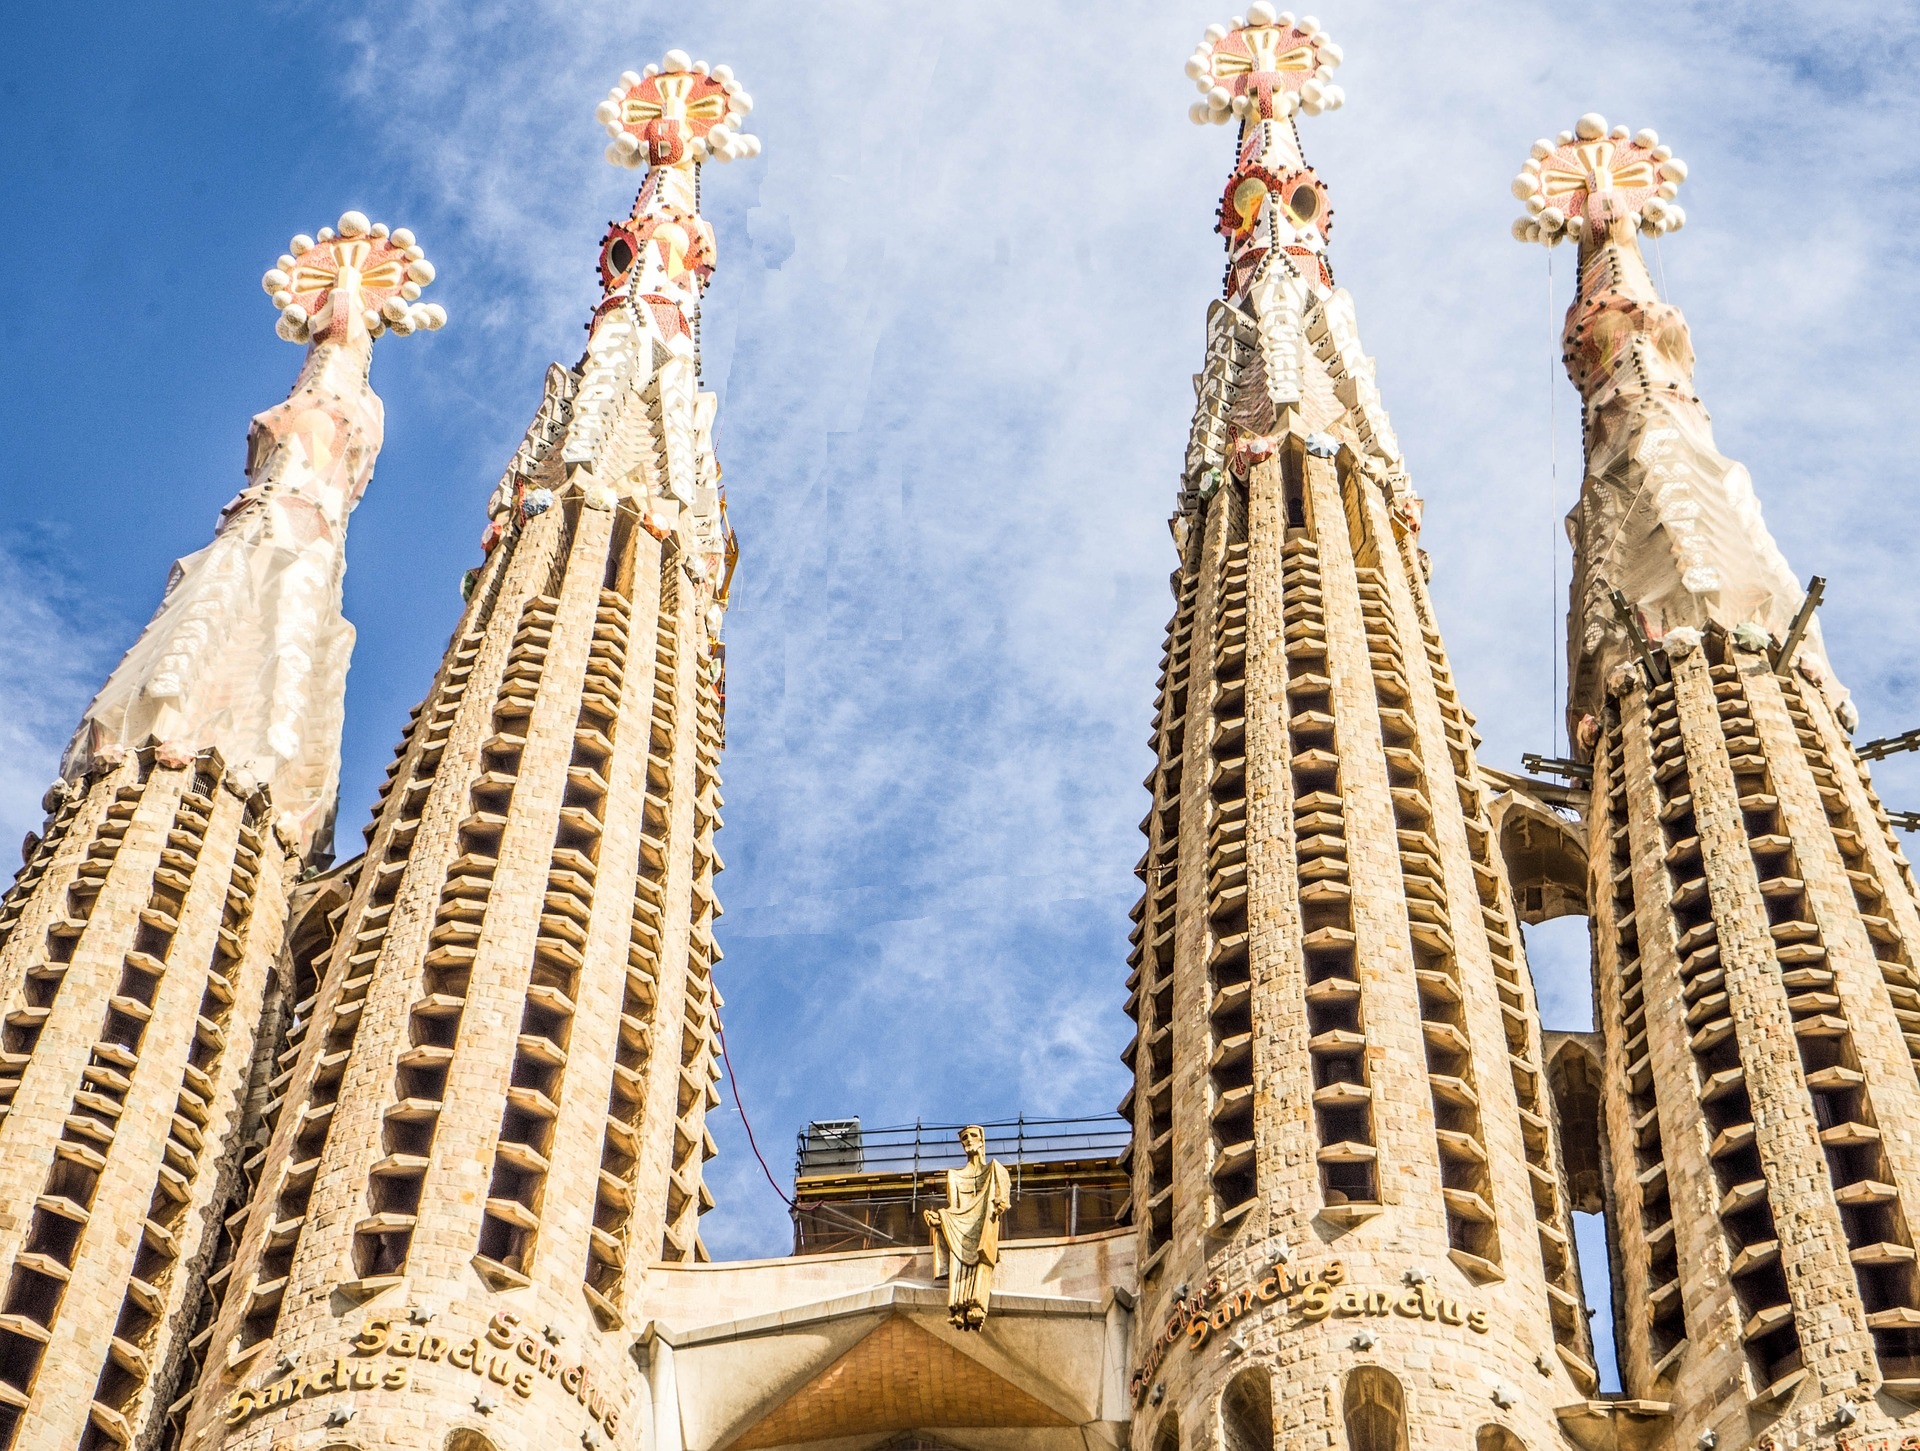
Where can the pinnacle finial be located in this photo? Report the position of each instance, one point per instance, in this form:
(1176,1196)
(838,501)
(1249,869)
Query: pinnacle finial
(676,110)
(1263,66)
(353,273)
(1591,176)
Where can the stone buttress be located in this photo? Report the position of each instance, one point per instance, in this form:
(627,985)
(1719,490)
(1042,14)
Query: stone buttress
(139,944)
(1346,1172)
(1754,921)
(487,1119)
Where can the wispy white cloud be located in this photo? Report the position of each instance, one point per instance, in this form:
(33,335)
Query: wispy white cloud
(958,304)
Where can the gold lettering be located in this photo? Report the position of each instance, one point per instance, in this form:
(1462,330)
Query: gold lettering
(462,1355)
(549,1362)
(432,1347)
(1477,1322)
(1451,1313)
(1351,1302)
(395,1379)
(501,1328)
(1336,1271)
(239,1407)
(523,1384)
(570,1378)
(365,1377)
(499,1369)
(1222,1317)
(612,1422)
(1198,1329)
(1377,1301)
(372,1338)
(1316,1301)
(1427,1301)
(1268,1290)
(405,1341)
(1408,1304)
(527,1350)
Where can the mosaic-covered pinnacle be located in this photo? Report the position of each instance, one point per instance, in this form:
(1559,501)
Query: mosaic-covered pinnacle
(676,111)
(1585,179)
(1264,66)
(354,271)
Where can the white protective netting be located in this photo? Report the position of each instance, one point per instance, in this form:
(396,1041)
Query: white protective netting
(248,650)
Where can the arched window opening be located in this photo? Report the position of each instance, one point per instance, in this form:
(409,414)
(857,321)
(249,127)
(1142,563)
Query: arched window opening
(1167,1438)
(1246,1413)
(1497,1438)
(1376,1411)
(464,1440)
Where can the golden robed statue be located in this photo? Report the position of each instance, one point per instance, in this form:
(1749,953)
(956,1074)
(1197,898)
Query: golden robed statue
(966,1234)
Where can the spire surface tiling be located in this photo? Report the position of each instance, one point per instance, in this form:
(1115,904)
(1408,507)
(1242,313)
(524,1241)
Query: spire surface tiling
(486,1128)
(1754,919)
(1347,1179)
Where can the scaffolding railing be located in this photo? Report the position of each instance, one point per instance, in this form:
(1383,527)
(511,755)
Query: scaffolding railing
(918,1147)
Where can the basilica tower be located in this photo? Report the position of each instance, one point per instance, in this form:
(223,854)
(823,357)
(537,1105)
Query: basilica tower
(488,1117)
(138,943)
(1346,1171)
(1754,920)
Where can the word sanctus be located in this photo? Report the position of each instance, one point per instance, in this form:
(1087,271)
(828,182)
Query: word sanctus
(336,1375)
(1314,1295)
(384,1337)
(507,1356)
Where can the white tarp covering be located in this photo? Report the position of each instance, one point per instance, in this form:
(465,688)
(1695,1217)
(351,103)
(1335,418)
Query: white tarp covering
(248,651)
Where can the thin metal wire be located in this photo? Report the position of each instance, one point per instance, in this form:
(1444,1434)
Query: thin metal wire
(1556,711)
(733,1081)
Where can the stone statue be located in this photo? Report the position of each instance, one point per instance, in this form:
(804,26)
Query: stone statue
(966,1234)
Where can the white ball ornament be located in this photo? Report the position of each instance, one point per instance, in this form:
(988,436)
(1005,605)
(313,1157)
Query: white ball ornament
(1619,133)
(626,143)
(301,243)
(1522,227)
(421,271)
(701,68)
(648,71)
(1312,93)
(1330,54)
(403,324)
(402,238)
(1333,97)
(325,234)
(354,224)
(743,103)
(1284,20)
(1216,33)
(1647,137)
(393,309)
(380,229)
(676,61)
(723,74)
(1197,113)
(1196,67)
(410,291)
(613,154)
(294,314)
(1525,185)
(436,315)
(273,281)
(1673,169)
(1260,12)
(1563,138)
(606,113)
(283,298)
(371,317)
(1676,218)
(1591,127)
(1239,22)
(1552,218)
(630,79)
(1541,149)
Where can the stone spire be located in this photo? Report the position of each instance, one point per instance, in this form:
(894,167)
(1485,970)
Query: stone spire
(140,942)
(1754,922)
(1663,516)
(248,651)
(487,1121)
(1346,1171)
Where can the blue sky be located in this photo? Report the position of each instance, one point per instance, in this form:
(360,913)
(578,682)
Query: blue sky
(958,304)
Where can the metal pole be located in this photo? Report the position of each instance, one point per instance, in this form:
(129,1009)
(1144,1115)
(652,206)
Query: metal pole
(1639,637)
(1799,626)
(1073,1210)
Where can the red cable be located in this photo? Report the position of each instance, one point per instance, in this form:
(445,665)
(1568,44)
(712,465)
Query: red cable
(733,1081)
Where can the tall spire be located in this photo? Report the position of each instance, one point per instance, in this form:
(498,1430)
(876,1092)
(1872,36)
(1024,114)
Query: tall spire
(1663,516)
(248,651)
(491,1110)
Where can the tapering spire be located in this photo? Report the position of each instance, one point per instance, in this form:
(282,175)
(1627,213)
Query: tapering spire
(1260,71)
(1663,516)
(248,651)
